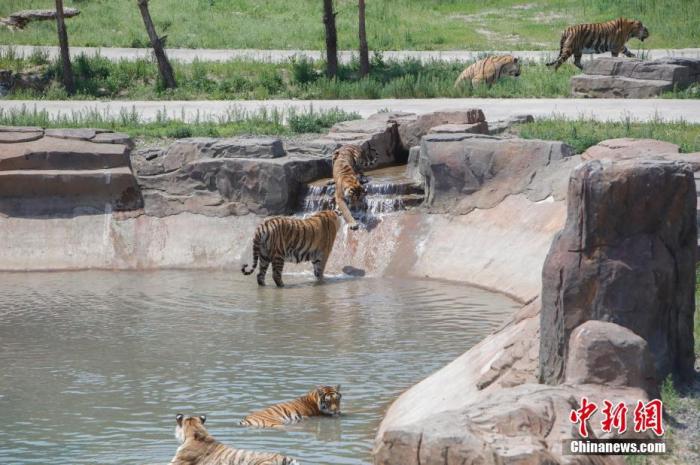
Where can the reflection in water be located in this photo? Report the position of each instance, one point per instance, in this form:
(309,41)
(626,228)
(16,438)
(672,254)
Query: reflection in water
(96,364)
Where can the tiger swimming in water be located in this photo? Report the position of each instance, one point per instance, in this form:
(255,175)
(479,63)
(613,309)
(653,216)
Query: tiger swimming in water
(348,163)
(198,447)
(283,238)
(490,69)
(610,36)
(322,401)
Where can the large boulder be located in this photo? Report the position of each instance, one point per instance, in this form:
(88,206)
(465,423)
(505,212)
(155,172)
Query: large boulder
(466,171)
(378,134)
(610,77)
(610,354)
(626,255)
(523,425)
(224,177)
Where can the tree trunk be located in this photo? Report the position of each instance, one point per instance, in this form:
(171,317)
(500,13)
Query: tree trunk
(68,81)
(331,39)
(364,50)
(20,19)
(164,68)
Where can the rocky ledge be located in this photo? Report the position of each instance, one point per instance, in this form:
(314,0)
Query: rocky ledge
(65,171)
(614,318)
(611,77)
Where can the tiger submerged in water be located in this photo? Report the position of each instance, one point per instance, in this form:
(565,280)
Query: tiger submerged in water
(283,238)
(610,36)
(198,447)
(322,401)
(490,69)
(348,164)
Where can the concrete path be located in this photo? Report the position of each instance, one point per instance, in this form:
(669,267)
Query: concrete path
(599,109)
(276,56)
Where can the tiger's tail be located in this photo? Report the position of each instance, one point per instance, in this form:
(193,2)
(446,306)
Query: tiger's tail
(561,51)
(256,254)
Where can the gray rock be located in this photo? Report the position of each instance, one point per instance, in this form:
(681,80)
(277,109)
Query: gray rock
(610,354)
(11,137)
(78,134)
(501,126)
(678,71)
(524,425)
(49,153)
(617,87)
(626,255)
(379,135)
(466,171)
(476,128)
(113,138)
(231,186)
(634,78)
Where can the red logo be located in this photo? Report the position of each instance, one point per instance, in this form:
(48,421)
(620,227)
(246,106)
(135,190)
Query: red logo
(647,416)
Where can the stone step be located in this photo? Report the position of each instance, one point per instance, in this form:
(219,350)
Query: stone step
(372,203)
(110,183)
(52,153)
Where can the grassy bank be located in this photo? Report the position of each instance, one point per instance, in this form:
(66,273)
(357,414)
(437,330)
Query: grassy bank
(235,122)
(391,25)
(98,77)
(582,134)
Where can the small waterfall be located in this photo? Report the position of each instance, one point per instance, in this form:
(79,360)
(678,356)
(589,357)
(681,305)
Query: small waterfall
(388,191)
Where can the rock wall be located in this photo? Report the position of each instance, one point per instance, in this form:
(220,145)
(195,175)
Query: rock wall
(487,407)
(626,255)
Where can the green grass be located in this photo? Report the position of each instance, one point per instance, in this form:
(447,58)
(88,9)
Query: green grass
(581,134)
(395,24)
(235,122)
(97,77)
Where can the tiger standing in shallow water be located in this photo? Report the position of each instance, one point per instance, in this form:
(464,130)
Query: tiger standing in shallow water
(490,69)
(610,36)
(348,163)
(283,238)
(322,401)
(198,447)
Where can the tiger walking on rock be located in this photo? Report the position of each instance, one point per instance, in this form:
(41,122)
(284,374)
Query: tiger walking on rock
(348,163)
(610,36)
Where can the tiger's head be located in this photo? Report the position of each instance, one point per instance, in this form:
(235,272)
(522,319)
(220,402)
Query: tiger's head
(190,427)
(510,66)
(327,399)
(354,194)
(638,30)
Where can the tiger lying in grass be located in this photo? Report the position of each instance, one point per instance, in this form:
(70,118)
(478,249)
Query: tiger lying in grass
(283,238)
(321,401)
(610,36)
(489,70)
(198,447)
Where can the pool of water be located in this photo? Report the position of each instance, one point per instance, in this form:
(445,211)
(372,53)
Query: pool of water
(95,365)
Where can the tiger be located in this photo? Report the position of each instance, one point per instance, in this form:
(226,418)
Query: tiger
(610,36)
(198,447)
(490,70)
(321,401)
(348,163)
(283,238)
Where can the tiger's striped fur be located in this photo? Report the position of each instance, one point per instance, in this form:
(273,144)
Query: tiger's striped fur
(283,238)
(348,163)
(324,400)
(198,447)
(610,36)
(490,69)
